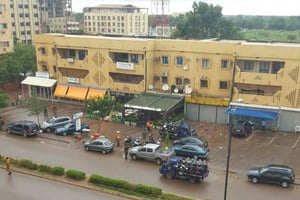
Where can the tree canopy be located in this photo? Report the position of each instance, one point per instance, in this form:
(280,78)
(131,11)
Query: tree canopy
(205,21)
(21,61)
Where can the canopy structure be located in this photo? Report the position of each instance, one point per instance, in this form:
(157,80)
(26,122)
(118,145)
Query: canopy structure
(155,102)
(95,93)
(75,92)
(264,114)
(61,90)
(37,81)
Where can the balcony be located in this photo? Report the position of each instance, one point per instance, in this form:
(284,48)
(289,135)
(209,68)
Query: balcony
(270,100)
(258,78)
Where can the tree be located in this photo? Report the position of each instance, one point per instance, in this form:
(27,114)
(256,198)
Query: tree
(100,107)
(3,99)
(35,106)
(205,21)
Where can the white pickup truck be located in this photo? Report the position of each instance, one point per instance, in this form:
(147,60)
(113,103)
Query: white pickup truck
(152,152)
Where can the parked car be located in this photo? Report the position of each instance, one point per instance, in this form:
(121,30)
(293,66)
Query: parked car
(25,128)
(55,122)
(275,174)
(101,144)
(190,150)
(192,140)
(243,128)
(70,129)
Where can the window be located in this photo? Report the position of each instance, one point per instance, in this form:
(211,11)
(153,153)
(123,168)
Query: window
(178,80)
(165,60)
(225,64)
(186,81)
(276,66)
(2,7)
(134,58)
(205,63)
(82,54)
(44,68)
(179,60)
(264,67)
(203,83)
(223,84)
(164,79)
(248,65)
(43,50)
(72,53)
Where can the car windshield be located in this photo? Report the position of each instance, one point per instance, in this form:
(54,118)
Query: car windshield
(51,120)
(107,143)
(68,125)
(263,169)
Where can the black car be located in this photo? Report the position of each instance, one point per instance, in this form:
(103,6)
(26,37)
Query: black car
(243,128)
(275,174)
(192,140)
(25,128)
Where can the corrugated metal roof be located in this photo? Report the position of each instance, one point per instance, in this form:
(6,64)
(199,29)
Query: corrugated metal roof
(154,102)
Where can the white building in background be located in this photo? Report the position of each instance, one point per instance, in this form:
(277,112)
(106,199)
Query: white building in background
(115,20)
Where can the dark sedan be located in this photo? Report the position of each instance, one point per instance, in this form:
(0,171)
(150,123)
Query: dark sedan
(192,140)
(189,150)
(70,129)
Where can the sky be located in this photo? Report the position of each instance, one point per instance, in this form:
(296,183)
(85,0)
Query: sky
(230,7)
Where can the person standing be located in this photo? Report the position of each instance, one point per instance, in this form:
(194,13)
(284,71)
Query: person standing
(118,138)
(263,124)
(7,163)
(126,148)
(45,112)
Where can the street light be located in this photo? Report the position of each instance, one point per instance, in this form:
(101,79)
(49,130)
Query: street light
(232,110)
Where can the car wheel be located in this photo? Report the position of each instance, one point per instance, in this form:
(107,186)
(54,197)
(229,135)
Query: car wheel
(103,152)
(284,184)
(87,148)
(8,131)
(24,134)
(134,157)
(65,133)
(246,134)
(192,180)
(48,130)
(169,175)
(254,180)
(158,161)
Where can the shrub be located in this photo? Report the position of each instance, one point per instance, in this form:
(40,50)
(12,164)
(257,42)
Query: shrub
(148,190)
(97,179)
(77,175)
(58,171)
(45,168)
(167,196)
(28,164)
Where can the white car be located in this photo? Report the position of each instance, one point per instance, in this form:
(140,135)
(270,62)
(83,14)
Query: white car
(54,122)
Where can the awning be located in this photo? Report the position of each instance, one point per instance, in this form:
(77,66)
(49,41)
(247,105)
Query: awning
(37,81)
(265,114)
(78,93)
(95,92)
(155,102)
(61,90)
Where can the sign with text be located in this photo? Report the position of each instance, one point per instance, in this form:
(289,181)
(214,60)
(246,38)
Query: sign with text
(124,65)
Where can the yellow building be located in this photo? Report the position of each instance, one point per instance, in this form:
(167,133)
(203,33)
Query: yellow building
(115,19)
(6,39)
(209,73)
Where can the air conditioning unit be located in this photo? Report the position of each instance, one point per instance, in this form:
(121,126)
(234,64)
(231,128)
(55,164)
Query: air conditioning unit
(70,60)
(164,74)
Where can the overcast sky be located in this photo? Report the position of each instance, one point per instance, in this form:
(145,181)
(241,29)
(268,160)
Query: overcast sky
(230,7)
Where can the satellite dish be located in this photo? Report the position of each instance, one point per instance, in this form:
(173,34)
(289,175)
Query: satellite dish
(176,90)
(188,90)
(150,87)
(185,67)
(165,87)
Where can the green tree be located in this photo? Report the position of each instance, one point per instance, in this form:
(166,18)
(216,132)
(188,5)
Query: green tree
(35,106)
(100,107)
(205,21)
(3,99)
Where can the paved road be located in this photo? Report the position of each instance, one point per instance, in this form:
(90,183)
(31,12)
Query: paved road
(113,165)
(24,187)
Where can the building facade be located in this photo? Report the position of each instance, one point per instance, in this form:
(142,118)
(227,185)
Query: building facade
(6,39)
(25,19)
(115,19)
(210,74)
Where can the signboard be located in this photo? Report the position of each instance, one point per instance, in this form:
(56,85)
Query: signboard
(124,65)
(73,80)
(77,115)
(42,74)
(78,124)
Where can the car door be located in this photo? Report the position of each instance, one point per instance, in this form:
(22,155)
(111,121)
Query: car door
(267,176)
(18,129)
(96,145)
(141,152)
(71,129)
(149,154)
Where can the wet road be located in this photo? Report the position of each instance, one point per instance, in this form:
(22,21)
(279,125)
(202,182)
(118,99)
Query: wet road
(23,187)
(113,165)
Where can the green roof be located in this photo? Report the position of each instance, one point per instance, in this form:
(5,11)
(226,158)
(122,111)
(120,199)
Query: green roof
(155,102)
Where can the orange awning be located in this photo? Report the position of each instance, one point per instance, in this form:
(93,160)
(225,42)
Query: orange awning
(61,90)
(94,93)
(78,93)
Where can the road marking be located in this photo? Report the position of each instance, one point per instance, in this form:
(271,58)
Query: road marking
(295,144)
(252,135)
(272,140)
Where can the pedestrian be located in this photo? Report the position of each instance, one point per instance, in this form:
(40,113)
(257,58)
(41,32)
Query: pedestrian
(118,138)
(149,125)
(1,123)
(46,112)
(7,163)
(126,148)
(54,110)
(144,134)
